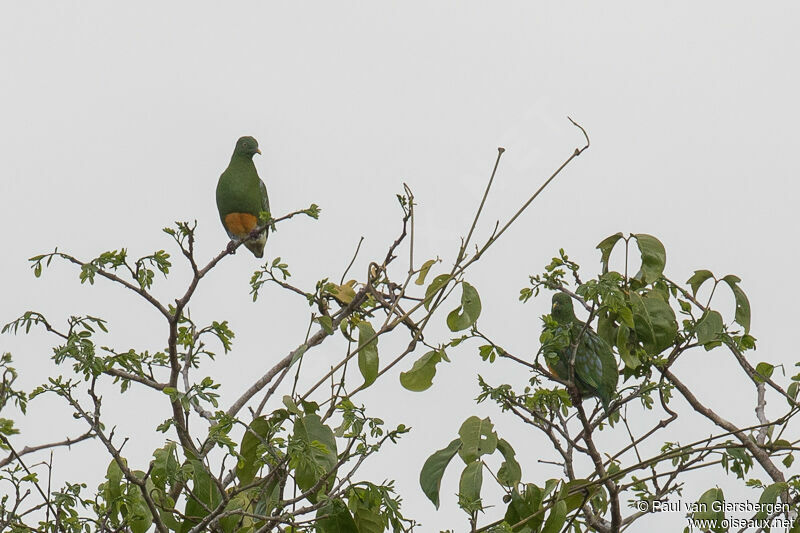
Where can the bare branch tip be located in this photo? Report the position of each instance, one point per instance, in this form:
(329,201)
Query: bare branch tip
(578,151)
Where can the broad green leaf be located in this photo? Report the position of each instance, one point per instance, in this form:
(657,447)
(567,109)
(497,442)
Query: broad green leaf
(468,312)
(477,438)
(655,323)
(605,247)
(206,496)
(549,487)
(742,316)
(709,327)
(290,405)
(706,502)
(268,497)
(654,257)
(113,482)
(232,523)
(423,272)
(437,283)
(368,353)
(420,376)
(769,496)
(764,370)
(139,516)
(626,316)
(430,477)
(334,517)
(165,465)
(469,487)
(326,323)
(523,506)
(555,521)
(321,457)
(344,293)
(607,326)
(791,392)
(621,342)
(367,519)
(255,434)
(697,279)
(510,472)
(579,493)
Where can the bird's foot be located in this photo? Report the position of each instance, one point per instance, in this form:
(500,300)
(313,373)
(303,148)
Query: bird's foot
(231,249)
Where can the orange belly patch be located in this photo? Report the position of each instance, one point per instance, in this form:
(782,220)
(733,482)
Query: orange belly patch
(240,224)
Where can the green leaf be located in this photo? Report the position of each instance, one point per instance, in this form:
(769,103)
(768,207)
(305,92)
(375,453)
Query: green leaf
(256,434)
(268,497)
(368,520)
(709,327)
(206,496)
(139,516)
(605,247)
(430,477)
(469,486)
(477,438)
(165,465)
(768,497)
(321,458)
(607,326)
(791,392)
(654,321)
(334,517)
(290,405)
(438,283)
(112,488)
(420,376)
(368,353)
(524,506)
(697,279)
(764,372)
(423,272)
(556,519)
(654,257)
(468,312)
(240,502)
(326,323)
(706,502)
(626,316)
(742,316)
(510,472)
(630,359)
(582,490)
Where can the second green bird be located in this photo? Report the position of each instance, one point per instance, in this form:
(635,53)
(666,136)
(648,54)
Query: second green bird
(596,372)
(242,196)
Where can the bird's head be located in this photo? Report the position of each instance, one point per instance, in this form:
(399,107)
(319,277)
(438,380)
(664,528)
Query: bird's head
(246,146)
(562,310)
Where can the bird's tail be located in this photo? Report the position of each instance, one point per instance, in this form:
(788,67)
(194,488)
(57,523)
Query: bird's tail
(257,245)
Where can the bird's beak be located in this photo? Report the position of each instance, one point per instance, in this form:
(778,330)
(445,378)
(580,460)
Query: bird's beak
(258,151)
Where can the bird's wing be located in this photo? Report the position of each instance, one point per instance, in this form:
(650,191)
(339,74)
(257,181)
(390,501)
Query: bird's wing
(264,197)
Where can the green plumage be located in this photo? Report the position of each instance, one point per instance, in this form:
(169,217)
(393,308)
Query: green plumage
(241,194)
(596,372)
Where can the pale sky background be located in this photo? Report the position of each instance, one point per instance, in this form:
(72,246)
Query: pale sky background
(117,120)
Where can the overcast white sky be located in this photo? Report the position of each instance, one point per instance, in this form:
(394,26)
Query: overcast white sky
(117,120)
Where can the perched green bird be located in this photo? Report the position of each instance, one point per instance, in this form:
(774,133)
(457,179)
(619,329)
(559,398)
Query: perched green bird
(242,196)
(596,372)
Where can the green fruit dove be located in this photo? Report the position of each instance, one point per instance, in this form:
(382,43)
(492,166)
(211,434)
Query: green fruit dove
(242,196)
(596,372)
